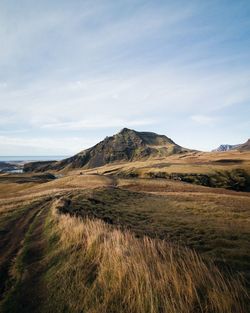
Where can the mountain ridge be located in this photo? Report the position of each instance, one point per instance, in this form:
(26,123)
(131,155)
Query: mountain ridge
(226,147)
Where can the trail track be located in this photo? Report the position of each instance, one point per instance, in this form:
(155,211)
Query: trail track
(27,224)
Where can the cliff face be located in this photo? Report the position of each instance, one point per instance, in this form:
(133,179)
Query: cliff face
(127,145)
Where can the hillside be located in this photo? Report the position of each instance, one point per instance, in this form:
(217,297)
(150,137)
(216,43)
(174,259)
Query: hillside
(127,145)
(149,155)
(89,243)
(226,169)
(245,146)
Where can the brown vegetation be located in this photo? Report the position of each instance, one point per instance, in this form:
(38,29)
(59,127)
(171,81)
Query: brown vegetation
(111,271)
(70,264)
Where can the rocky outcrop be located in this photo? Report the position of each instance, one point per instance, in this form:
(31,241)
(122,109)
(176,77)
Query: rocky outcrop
(6,167)
(241,147)
(40,166)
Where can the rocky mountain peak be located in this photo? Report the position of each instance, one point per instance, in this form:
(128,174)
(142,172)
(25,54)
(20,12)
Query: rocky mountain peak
(126,146)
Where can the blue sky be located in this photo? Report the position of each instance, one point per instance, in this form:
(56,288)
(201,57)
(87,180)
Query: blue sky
(73,72)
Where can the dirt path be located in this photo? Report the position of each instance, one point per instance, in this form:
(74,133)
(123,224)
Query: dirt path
(21,248)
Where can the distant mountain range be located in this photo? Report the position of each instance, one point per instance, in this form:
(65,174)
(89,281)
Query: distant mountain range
(241,147)
(225,148)
(127,145)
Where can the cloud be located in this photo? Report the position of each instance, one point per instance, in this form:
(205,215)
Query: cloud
(76,68)
(3,85)
(204,120)
(97,124)
(51,146)
(13,131)
(146,95)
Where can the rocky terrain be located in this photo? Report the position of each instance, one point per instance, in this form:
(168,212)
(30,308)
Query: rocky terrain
(241,147)
(10,167)
(225,147)
(245,146)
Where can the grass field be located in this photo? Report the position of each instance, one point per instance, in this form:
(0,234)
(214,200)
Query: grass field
(94,243)
(200,220)
(230,170)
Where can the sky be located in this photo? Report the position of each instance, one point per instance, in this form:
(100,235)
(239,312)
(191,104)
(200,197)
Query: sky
(74,72)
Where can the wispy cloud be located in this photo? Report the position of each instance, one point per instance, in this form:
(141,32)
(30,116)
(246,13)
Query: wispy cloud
(122,100)
(13,131)
(74,68)
(97,124)
(51,146)
(204,120)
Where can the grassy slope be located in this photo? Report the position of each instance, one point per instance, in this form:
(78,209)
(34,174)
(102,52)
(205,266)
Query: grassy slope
(213,221)
(215,225)
(225,169)
(97,268)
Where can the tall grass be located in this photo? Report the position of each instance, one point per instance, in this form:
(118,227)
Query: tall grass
(99,269)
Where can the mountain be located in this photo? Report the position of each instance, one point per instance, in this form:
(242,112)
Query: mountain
(245,146)
(241,147)
(127,145)
(225,148)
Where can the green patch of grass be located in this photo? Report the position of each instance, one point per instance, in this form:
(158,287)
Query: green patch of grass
(236,179)
(11,216)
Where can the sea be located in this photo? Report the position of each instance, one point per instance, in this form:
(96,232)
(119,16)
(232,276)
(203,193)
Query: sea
(14,164)
(29,158)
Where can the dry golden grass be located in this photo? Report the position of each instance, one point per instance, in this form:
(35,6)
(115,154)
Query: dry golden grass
(13,192)
(110,271)
(11,189)
(75,182)
(230,170)
(165,186)
(194,162)
(97,268)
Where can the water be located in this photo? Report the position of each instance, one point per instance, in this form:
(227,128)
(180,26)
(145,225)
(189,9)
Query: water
(13,171)
(32,158)
(16,162)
